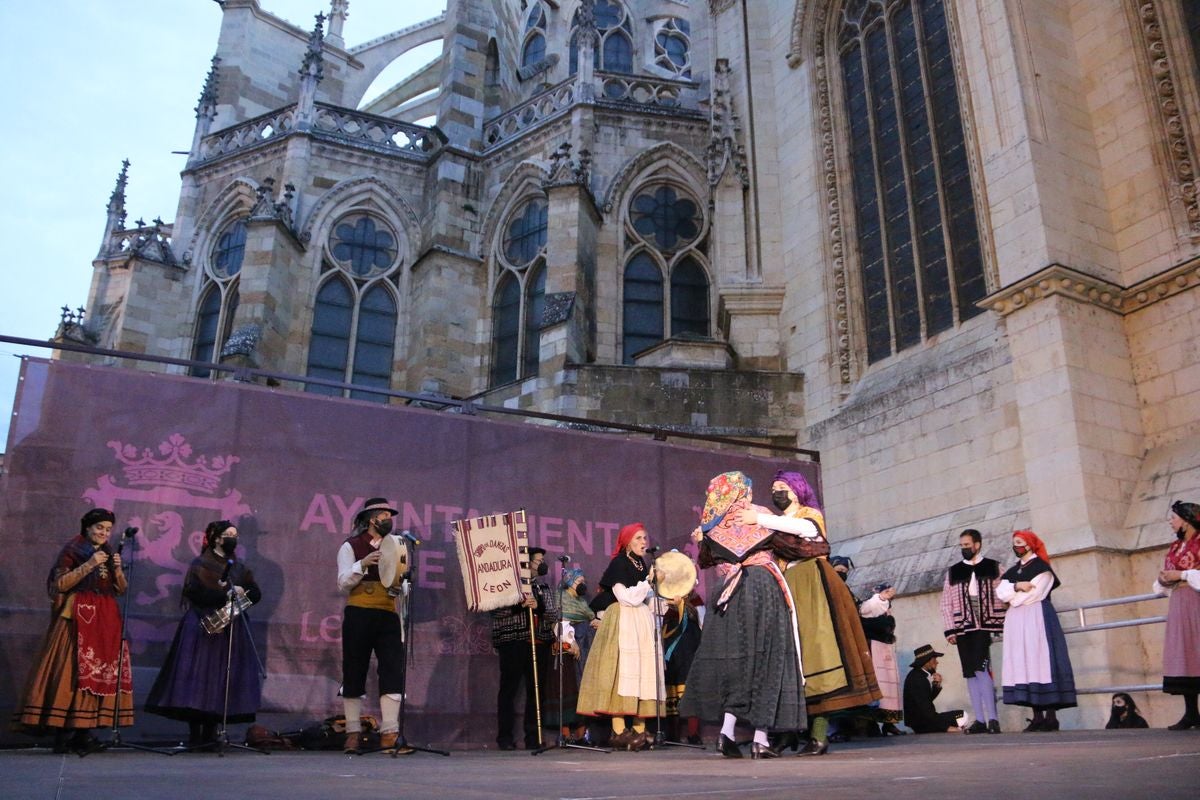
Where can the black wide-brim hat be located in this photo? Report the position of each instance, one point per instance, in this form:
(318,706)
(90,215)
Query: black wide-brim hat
(374,504)
(923,654)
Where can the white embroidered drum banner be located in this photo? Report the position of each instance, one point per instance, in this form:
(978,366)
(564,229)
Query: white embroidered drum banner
(493,554)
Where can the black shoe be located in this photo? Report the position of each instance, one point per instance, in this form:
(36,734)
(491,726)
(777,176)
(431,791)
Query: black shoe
(890,729)
(61,742)
(506,745)
(1184,723)
(814,748)
(1034,726)
(762,751)
(82,743)
(1049,725)
(728,747)
(978,726)
(696,740)
(993,726)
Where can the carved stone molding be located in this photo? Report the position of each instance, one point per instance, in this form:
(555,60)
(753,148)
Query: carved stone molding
(1057,280)
(1164,75)
(726,149)
(716,7)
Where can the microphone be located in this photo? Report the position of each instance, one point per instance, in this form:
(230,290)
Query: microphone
(407,536)
(652,550)
(564,559)
(130,532)
(225,574)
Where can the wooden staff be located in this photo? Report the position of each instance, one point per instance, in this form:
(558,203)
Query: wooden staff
(537,695)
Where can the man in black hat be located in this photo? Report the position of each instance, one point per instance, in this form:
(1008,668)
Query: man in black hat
(370,624)
(510,638)
(921,686)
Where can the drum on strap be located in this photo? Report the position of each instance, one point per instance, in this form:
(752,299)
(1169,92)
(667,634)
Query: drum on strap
(676,575)
(393,562)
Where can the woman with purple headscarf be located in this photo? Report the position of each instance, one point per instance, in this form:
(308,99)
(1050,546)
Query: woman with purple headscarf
(838,670)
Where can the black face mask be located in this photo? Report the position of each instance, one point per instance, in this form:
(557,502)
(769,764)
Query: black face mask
(844,575)
(542,569)
(229,544)
(384,526)
(781,500)
(581,590)
(1179,534)
(967,553)
(1020,552)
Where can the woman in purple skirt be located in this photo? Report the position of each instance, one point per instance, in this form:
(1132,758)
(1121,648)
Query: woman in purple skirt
(1180,577)
(191,684)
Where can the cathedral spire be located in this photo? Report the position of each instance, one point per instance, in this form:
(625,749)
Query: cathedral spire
(312,70)
(207,106)
(115,220)
(338,11)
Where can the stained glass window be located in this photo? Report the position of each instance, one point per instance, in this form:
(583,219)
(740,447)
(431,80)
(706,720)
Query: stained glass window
(526,233)
(363,245)
(207,318)
(506,329)
(689,299)
(230,249)
(662,215)
(535,304)
(918,247)
(329,347)
(643,306)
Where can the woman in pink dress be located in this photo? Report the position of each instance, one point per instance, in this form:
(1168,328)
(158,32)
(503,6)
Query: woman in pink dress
(1180,577)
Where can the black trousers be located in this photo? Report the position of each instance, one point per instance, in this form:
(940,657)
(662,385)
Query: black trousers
(366,631)
(516,668)
(974,651)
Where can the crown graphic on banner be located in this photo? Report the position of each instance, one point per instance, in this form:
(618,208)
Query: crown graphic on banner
(171,466)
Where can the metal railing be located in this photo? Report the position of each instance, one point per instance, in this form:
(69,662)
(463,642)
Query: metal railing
(430,401)
(1084,627)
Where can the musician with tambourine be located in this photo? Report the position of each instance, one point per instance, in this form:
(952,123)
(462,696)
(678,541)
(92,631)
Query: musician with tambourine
(71,687)
(190,687)
(370,624)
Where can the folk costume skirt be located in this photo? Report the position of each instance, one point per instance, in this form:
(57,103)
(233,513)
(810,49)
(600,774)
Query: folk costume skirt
(599,691)
(746,664)
(1181,643)
(1036,668)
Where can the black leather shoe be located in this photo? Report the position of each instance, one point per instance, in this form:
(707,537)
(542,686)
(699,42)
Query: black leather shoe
(1184,723)
(890,729)
(1033,726)
(762,751)
(1049,725)
(728,747)
(978,726)
(814,748)
(993,726)
(506,746)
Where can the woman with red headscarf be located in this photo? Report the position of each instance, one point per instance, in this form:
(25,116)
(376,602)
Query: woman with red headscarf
(621,679)
(1036,668)
(1180,577)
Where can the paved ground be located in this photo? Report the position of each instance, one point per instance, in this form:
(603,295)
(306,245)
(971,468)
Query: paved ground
(1086,764)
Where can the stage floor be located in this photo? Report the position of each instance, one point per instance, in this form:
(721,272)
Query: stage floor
(1090,764)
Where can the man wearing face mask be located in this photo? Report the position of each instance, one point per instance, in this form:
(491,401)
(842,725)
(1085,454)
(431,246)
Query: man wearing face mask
(510,638)
(191,684)
(370,624)
(971,615)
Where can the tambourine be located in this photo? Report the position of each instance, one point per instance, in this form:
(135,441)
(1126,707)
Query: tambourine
(676,575)
(393,562)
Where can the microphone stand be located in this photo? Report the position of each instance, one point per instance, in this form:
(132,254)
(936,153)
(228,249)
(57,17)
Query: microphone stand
(560,741)
(407,590)
(660,736)
(222,743)
(115,742)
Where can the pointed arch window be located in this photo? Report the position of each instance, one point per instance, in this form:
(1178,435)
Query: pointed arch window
(520,298)
(670,254)
(356,311)
(673,45)
(208,318)
(614,52)
(918,245)
(219,294)
(533,49)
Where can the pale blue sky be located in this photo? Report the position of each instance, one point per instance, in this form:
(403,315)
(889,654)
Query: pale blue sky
(84,84)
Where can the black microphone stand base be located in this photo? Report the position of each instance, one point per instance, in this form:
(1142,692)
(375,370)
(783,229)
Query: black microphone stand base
(116,743)
(661,740)
(403,747)
(562,744)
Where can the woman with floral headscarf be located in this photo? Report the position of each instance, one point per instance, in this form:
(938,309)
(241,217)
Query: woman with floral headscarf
(1036,667)
(1180,577)
(838,671)
(622,680)
(748,663)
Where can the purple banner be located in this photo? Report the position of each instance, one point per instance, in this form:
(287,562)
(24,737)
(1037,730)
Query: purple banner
(169,454)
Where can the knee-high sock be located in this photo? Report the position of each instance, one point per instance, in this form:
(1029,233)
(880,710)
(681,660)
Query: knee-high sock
(389,710)
(727,725)
(352,708)
(983,696)
(818,729)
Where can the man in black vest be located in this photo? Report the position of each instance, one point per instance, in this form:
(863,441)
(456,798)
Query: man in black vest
(971,616)
(370,624)
(510,638)
(921,686)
